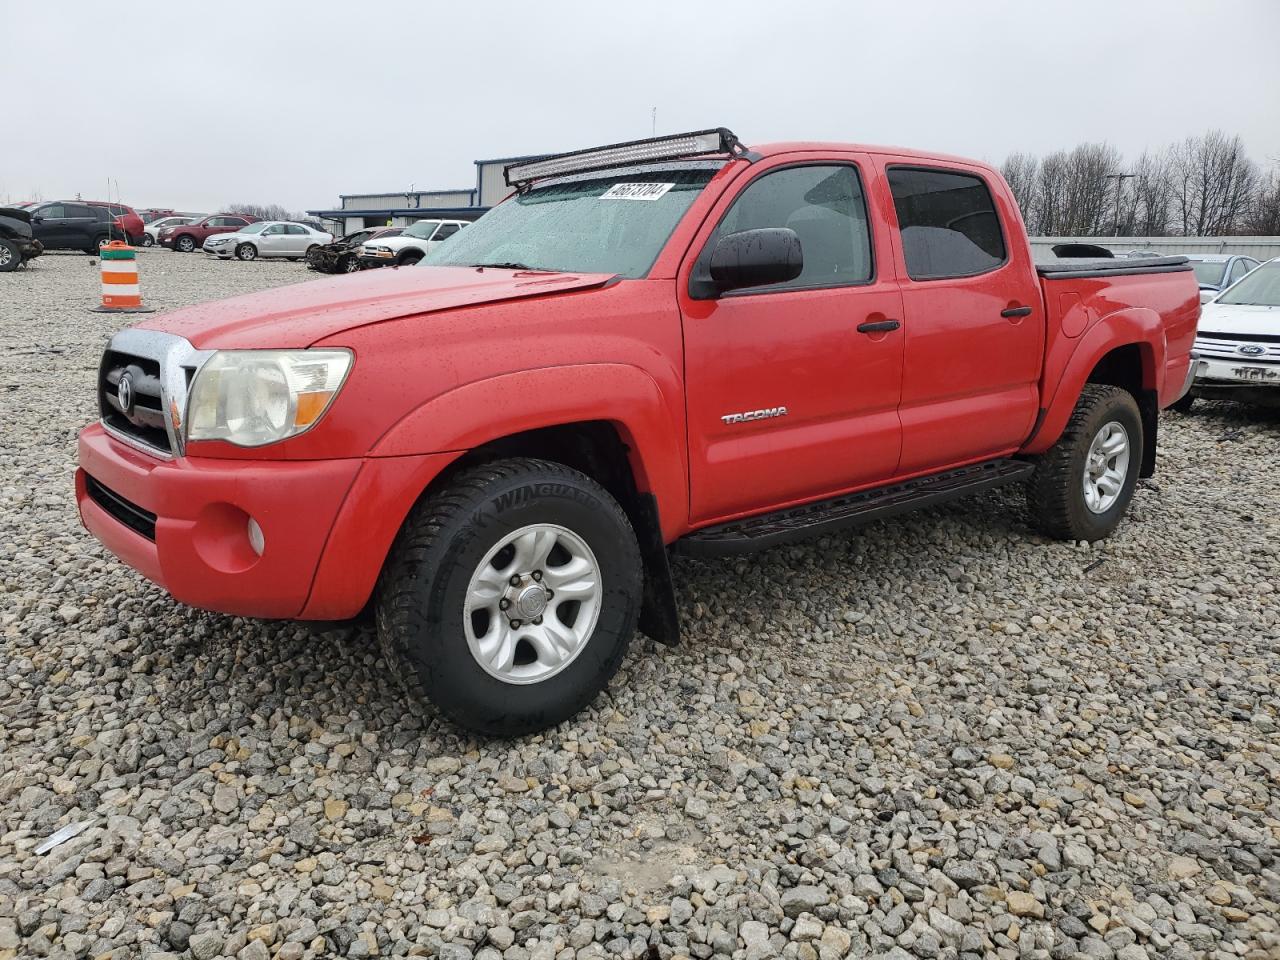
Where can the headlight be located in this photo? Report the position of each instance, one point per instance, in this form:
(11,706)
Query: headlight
(255,397)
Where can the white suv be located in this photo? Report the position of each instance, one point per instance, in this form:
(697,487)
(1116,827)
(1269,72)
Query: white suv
(411,246)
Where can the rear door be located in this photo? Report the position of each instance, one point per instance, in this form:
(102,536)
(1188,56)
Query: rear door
(787,400)
(973,315)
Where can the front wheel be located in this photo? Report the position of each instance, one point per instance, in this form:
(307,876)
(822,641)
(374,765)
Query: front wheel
(10,256)
(246,252)
(1184,403)
(349,265)
(409,258)
(185,244)
(1083,484)
(511,595)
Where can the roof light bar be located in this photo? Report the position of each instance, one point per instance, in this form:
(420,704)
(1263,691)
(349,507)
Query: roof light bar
(699,143)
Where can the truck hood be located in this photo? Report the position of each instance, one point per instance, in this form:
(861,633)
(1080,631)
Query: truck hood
(305,313)
(15,213)
(1240,318)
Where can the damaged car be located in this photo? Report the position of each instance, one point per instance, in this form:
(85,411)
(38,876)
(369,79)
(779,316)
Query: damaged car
(17,243)
(342,255)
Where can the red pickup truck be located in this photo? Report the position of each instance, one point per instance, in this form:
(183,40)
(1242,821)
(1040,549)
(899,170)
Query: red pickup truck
(675,344)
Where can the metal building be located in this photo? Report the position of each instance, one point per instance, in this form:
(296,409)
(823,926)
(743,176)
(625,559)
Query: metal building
(359,210)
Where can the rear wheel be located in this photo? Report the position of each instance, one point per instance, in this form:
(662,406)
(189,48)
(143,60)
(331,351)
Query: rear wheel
(148,240)
(185,243)
(246,252)
(1083,484)
(511,595)
(10,256)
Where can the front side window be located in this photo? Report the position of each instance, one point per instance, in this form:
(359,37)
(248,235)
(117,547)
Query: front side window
(613,222)
(446,230)
(1260,287)
(825,207)
(948,223)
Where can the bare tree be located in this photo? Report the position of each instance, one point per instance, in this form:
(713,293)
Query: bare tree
(1213,183)
(268,211)
(1072,195)
(1264,213)
(1020,171)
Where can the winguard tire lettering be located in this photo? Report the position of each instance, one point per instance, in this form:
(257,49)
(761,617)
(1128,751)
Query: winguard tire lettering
(423,592)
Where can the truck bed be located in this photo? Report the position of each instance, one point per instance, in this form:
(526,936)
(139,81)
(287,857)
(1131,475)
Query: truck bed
(1078,267)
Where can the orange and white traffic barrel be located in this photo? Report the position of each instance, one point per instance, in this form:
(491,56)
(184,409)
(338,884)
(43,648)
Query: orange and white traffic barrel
(120,290)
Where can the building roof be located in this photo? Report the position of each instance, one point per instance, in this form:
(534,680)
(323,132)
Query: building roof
(424,213)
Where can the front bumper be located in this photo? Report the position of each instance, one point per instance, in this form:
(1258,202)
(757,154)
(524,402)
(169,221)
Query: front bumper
(1206,371)
(377,258)
(183,524)
(224,250)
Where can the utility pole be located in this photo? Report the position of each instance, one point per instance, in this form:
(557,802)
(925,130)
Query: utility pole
(1119,179)
(655,122)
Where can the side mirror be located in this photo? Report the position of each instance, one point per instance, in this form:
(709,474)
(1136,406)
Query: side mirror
(754,258)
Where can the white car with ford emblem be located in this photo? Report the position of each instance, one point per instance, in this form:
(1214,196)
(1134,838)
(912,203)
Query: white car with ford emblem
(1238,343)
(267,238)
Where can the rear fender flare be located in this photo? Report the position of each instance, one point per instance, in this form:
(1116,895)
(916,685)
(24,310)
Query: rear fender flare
(1133,326)
(476,413)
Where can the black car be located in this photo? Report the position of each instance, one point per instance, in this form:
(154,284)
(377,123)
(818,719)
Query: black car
(17,244)
(340,256)
(72,225)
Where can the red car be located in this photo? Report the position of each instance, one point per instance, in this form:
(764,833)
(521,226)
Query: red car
(126,221)
(187,237)
(677,344)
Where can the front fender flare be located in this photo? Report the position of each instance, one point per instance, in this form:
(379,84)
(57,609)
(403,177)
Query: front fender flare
(628,397)
(1134,326)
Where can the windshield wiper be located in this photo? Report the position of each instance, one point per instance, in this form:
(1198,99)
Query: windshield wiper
(510,265)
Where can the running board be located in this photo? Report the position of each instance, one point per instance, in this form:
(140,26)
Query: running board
(851,510)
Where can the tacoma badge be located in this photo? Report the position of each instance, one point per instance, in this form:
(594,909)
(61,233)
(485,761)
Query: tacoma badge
(765,414)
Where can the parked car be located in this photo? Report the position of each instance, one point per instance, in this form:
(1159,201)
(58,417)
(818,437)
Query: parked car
(341,255)
(1238,343)
(187,237)
(75,225)
(125,218)
(414,243)
(150,215)
(267,238)
(151,231)
(17,243)
(715,350)
(1216,272)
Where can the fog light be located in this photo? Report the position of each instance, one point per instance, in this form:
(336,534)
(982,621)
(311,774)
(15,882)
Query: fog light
(256,539)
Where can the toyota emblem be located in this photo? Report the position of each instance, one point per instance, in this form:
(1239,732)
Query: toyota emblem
(1252,349)
(124,394)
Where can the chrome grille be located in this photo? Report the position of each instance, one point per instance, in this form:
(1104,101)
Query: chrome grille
(150,413)
(1227,346)
(143,418)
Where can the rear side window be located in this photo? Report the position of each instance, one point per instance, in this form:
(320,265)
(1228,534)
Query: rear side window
(948,222)
(824,205)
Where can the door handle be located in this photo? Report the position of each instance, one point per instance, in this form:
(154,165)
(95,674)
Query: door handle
(1012,312)
(878,326)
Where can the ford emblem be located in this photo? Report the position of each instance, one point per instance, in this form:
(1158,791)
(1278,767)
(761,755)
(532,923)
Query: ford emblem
(124,394)
(1251,349)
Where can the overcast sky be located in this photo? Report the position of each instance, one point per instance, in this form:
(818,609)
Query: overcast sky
(194,105)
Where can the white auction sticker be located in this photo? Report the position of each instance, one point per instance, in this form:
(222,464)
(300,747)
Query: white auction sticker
(636,191)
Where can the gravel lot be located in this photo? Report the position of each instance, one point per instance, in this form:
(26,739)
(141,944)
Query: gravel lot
(942,737)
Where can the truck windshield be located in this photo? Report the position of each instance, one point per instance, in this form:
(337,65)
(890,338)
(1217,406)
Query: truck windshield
(1260,287)
(615,222)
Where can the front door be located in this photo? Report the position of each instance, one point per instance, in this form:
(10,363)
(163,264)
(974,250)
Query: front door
(973,316)
(787,399)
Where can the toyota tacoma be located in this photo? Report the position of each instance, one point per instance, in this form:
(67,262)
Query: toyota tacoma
(677,344)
